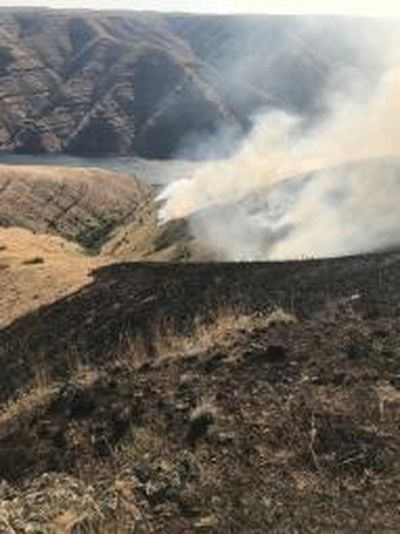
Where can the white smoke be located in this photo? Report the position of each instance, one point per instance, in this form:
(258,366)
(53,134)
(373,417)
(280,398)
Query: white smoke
(349,205)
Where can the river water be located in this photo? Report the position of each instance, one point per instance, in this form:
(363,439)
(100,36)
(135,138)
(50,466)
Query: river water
(153,172)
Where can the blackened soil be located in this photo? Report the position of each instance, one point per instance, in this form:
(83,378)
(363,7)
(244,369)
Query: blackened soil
(290,427)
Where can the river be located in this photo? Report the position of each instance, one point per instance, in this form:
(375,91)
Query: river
(153,172)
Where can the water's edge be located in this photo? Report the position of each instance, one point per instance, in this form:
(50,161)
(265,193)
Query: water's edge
(153,172)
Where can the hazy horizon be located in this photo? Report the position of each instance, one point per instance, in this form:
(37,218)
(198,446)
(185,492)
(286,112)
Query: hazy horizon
(350,7)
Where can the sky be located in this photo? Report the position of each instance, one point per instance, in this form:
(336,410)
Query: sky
(348,7)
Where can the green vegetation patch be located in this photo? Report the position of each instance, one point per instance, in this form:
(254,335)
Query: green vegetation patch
(93,237)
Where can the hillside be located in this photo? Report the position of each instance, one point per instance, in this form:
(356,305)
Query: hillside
(58,224)
(156,85)
(36,269)
(96,84)
(147,385)
(52,220)
(104,212)
(77,204)
(214,397)
(100,218)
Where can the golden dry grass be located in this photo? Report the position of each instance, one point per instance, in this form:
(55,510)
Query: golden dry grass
(26,403)
(27,283)
(220,332)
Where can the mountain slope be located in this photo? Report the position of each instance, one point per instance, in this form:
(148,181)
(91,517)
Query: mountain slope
(93,84)
(156,85)
(79,204)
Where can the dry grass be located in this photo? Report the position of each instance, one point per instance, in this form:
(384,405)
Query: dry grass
(134,353)
(26,404)
(226,325)
(36,395)
(71,506)
(40,269)
(31,399)
(126,515)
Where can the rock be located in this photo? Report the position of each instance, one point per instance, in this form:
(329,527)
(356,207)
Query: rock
(273,354)
(206,523)
(357,350)
(161,480)
(200,421)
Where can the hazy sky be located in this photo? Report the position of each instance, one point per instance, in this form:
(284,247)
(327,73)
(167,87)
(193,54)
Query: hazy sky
(360,7)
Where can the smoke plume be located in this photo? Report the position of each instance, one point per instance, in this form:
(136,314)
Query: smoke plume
(295,189)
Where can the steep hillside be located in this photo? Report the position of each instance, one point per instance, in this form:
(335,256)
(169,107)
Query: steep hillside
(58,224)
(216,398)
(83,205)
(106,213)
(96,83)
(36,269)
(286,62)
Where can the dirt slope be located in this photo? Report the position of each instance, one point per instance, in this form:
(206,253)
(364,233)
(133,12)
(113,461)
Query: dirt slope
(286,420)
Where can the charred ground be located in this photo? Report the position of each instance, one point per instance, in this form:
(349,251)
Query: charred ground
(283,414)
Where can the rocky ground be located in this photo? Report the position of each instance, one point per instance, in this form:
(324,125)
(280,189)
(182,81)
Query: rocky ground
(216,398)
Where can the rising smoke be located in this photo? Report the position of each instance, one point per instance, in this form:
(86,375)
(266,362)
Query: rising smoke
(328,189)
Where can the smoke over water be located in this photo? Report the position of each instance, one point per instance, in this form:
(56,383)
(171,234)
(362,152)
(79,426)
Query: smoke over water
(298,190)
